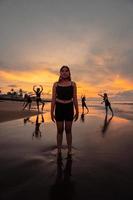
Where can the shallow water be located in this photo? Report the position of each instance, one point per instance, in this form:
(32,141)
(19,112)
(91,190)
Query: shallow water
(100,168)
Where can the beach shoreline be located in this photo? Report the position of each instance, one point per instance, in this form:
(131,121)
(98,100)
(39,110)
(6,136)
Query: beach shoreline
(12,110)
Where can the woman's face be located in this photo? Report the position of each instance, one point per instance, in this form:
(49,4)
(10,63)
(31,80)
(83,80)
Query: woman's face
(65,73)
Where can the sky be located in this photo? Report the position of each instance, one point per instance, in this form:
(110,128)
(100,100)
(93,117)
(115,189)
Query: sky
(93,37)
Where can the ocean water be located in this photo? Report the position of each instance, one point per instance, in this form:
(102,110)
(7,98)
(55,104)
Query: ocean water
(120,108)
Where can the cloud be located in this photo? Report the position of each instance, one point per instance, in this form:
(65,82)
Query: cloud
(94,38)
(126,95)
(13,86)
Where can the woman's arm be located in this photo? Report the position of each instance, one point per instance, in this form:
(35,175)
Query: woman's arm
(75,101)
(41,88)
(34,88)
(53,101)
(100,95)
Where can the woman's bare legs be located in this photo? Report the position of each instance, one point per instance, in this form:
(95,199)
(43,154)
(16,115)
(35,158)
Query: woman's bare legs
(111,110)
(60,129)
(106,108)
(68,130)
(87,108)
(37,103)
(82,109)
(42,102)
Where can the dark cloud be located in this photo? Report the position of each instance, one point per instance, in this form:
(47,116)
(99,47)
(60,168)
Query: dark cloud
(11,67)
(43,28)
(13,86)
(16,67)
(116,60)
(126,95)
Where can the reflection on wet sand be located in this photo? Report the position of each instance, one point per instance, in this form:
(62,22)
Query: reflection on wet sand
(82,116)
(38,122)
(106,124)
(37,132)
(63,187)
(27,119)
(101,169)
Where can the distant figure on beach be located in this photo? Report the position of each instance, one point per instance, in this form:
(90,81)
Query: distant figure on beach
(64,100)
(27,101)
(38,92)
(107,103)
(83,100)
(37,132)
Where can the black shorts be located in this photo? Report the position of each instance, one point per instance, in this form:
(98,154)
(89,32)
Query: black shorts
(29,101)
(107,104)
(38,99)
(83,104)
(64,112)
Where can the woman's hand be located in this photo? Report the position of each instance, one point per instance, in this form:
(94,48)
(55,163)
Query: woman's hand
(53,117)
(76,116)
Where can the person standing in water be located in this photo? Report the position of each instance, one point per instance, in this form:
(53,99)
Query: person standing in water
(64,100)
(107,103)
(83,100)
(38,92)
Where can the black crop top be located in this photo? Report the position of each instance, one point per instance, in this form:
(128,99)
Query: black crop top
(38,94)
(64,92)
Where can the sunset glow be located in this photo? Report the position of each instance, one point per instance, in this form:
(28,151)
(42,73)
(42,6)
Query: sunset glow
(95,45)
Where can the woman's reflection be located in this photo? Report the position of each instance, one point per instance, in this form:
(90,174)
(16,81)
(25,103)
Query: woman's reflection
(38,121)
(37,132)
(106,124)
(63,187)
(82,117)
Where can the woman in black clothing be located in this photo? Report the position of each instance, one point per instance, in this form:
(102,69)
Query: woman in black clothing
(64,100)
(107,103)
(38,92)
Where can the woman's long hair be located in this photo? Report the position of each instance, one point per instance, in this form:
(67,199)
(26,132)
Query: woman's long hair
(69,78)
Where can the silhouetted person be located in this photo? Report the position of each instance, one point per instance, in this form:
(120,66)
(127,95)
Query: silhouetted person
(27,101)
(106,124)
(38,92)
(107,103)
(83,100)
(37,132)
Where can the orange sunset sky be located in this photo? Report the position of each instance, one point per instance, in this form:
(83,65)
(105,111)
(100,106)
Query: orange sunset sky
(91,37)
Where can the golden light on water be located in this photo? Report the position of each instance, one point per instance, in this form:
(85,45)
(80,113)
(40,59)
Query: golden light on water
(46,117)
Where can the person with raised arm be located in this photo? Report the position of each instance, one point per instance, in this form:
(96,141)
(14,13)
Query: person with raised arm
(107,103)
(83,101)
(38,92)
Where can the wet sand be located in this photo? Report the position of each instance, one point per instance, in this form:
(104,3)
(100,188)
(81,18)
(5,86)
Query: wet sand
(100,167)
(11,110)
